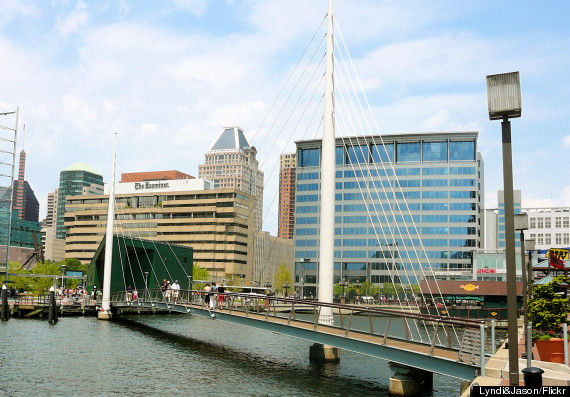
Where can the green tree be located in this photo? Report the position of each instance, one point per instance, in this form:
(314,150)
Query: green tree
(74,265)
(547,309)
(369,289)
(199,273)
(21,283)
(283,276)
(43,284)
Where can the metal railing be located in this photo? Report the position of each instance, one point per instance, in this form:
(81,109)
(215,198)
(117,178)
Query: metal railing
(435,331)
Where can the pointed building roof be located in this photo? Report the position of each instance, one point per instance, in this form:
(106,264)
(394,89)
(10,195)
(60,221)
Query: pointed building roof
(231,138)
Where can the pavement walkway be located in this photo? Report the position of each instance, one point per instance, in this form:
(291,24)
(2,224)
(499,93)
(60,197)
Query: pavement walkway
(497,368)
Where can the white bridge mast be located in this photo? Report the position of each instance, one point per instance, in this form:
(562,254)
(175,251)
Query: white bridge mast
(327,200)
(105,312)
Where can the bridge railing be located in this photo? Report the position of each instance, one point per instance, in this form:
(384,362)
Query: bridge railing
(468,336)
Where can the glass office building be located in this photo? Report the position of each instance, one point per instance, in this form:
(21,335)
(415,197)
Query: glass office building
(76,180)
(407,207)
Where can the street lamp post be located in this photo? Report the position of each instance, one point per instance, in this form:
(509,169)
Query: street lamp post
(504,100)
(286,287)
(521,224)
(62,275)
(343,284)
(146,281)
(527,268)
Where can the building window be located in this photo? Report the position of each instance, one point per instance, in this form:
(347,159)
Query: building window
(461,150)
(558,222)
(547,223)
(547,239)
(558,239)
(309,157)
(566,222)
(434,151)
(407,151)
(357,154)
(540,223)
(383,153)
(566,238)
(532,223)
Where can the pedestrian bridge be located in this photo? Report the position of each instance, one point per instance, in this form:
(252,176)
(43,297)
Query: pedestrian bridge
(439,344)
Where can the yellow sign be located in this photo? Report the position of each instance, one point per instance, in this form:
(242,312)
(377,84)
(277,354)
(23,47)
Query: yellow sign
(559,252)
(469,287)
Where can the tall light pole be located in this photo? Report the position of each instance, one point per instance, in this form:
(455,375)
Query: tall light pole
(521,224)
(504,100)
(62,275)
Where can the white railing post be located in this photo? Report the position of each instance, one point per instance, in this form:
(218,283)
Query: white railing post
(565,336)
(493,341)
(482,348)
(529,345)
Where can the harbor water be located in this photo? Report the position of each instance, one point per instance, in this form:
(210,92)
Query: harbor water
(177,355)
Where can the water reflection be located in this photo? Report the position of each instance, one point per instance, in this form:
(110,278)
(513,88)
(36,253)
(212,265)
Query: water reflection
(176,355)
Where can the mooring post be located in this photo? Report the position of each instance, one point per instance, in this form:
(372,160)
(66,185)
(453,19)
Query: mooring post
(52,311)
(4,310)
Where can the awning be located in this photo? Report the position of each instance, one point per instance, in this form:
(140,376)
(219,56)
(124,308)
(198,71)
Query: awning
(546,280)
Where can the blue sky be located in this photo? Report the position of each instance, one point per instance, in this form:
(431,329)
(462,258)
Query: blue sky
(168,75)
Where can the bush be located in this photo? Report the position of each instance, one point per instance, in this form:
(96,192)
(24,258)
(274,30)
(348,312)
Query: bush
(547,310)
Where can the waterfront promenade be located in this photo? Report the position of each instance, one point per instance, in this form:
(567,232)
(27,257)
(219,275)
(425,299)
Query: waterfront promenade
(497,368)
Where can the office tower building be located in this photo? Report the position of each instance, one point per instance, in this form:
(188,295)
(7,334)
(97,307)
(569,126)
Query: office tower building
(286,226)
(408,207)
(231,164)
(77,179)
(24,199)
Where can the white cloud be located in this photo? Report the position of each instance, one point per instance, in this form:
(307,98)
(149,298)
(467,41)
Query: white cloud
(78,110)
(73,22)
(169,88)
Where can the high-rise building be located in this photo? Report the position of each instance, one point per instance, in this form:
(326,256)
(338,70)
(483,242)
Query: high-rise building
(25,201)
(76,180)
(549,227)
(408,207)
(51,211)
(231,164)
(216,223)
(288,166)
(54,248)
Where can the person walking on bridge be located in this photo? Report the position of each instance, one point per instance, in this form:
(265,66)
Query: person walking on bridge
(175,291)
(221,296)
(213,296)
(207,290)
(163,288)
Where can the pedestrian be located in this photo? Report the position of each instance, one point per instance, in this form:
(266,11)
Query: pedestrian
(129,293)
(168,291)
(175,291)
(207,290)
(221,296)
(135,295)
(213,296)
(163,288)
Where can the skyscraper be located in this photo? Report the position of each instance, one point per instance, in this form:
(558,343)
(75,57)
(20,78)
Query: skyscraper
(25,201)
(288,164)
(407,207)
(231,164)
(76,180)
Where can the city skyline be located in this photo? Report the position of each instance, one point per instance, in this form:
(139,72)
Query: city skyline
(168,77)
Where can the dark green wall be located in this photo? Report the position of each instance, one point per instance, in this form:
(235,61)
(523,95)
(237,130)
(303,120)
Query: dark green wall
(133,257)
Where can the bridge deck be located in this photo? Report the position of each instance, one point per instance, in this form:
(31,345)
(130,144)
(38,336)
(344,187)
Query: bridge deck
(416,354)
